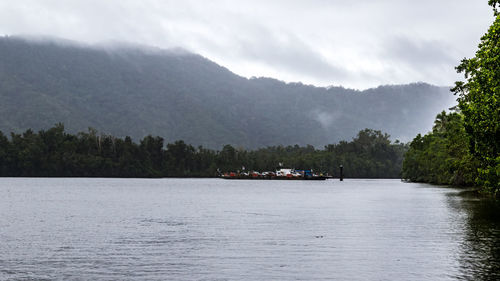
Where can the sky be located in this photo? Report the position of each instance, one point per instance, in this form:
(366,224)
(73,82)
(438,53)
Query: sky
(355,44)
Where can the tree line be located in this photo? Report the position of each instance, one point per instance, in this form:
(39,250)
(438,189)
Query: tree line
(442,156)
(57,153)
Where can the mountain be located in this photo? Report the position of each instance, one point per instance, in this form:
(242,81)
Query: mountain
(175,94)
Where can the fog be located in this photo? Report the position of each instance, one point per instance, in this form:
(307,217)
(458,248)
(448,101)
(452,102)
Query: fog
(357,44)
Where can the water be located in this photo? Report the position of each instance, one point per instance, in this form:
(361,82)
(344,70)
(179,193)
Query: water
(213,229)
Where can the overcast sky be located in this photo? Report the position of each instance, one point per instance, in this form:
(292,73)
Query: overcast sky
(357,44)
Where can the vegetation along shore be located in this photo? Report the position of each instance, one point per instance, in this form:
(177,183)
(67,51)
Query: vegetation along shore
(463,148)
(56,153)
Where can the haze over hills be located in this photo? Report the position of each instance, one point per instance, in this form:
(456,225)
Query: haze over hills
(179,95)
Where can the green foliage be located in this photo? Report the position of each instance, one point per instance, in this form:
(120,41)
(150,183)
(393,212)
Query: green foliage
(88,154)
(494,4)
(442,156)
(479,101)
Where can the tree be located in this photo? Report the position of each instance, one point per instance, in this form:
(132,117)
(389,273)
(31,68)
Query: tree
(442,156)
(153,154)
(4,145)
(180,159)
(479,98)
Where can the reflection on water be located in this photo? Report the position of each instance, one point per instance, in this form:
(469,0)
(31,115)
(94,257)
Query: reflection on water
(480,249)
(211,229)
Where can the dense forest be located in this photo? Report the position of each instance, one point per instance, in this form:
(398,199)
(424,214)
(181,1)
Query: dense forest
(136,91)
(441,156)
(56,153)
(463,148)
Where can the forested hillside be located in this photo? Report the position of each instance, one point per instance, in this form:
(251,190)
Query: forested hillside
(182,96)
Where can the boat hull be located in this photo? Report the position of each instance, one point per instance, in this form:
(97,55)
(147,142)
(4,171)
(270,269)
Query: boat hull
(275,178)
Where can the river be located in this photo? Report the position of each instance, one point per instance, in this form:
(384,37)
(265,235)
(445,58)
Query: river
(214,229)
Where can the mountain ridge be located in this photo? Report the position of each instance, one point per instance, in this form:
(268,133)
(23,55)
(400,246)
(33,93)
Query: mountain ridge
(180,95)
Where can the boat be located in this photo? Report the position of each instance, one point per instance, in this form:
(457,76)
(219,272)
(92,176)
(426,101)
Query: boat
(281,174)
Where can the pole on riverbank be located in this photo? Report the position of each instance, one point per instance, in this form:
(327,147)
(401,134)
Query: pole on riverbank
(341,172)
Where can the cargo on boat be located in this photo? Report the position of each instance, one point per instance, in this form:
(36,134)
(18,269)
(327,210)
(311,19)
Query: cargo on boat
(281,174)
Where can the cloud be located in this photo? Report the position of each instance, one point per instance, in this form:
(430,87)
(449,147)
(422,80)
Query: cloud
(287,52)
(351,43)
(419,53)
(326,119)
(420,59)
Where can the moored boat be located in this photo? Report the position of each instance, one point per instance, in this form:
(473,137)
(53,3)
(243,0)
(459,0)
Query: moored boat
(281,174)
